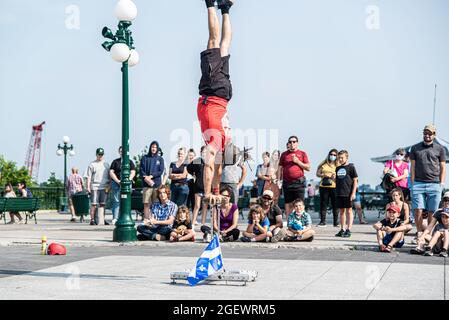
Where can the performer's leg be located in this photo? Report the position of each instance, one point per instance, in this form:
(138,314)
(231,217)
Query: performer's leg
(226,37)
(214,26)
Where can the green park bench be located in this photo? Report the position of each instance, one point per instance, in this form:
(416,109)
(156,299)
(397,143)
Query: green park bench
(27,205)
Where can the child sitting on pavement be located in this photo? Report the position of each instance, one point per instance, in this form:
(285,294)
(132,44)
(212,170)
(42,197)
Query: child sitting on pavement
(258,224)
(299,224)
(390,231)
(440,237)
(182,227)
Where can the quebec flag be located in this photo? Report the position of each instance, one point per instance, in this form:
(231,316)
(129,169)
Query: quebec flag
(209,263)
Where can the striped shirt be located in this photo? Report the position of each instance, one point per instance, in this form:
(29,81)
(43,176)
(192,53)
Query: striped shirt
(74,184)
(164,212)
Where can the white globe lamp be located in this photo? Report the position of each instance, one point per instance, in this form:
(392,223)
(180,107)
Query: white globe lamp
(125,10)
(120,52)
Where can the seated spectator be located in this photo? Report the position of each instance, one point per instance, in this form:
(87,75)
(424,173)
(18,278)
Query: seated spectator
(439,242)
(390,231)
(426,237)
(299,223)
(258,224)
(272,211)
(9,193)
(398,199)
(228,219)
(182,227)
(162,215)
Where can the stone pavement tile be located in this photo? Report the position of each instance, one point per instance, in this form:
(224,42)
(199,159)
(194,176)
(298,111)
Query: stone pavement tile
(346,280)
(115,277)
(411,282)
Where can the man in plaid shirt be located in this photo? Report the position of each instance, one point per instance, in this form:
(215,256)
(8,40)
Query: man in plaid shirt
(162,216)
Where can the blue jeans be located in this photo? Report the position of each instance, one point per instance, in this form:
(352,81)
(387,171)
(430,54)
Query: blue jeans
(179,194)
(115,192)
(426,196)
(150,232)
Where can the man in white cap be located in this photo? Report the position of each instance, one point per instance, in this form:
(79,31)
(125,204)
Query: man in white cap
(274,214)
(440,225)
(428,173)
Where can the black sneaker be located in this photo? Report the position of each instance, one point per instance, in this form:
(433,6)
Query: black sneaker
(428,252)
(245,239)
(443,253)
(226,4)
(92,223)
(321,224)
(340,233)
(347,234)
(416,251)
(141,237)
(106,223)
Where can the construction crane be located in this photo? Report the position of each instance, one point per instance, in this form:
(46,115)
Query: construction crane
(32,160)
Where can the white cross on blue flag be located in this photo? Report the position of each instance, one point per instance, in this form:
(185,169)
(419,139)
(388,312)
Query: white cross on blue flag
(209,262)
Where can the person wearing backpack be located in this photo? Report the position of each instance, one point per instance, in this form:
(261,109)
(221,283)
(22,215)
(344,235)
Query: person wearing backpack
(398,170)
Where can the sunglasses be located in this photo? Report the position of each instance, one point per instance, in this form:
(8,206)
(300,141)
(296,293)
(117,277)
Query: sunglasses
(400,154)
(267,198)
(446,200)
(428,133)
(292,141)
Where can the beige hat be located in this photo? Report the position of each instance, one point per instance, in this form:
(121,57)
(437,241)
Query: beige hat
(446,194)
(431,128)
(268,193)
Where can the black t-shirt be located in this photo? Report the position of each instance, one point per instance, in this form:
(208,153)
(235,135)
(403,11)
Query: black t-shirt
(387,223)
(178,170)
(182,223)
(273,213)
(196,168)
(116,165)
(345,179)
(427,161)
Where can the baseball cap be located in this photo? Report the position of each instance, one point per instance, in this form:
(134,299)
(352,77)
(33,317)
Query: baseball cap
(431,128)
(393,207)
(446,194)
(100,151)
(445,211)
(268,193)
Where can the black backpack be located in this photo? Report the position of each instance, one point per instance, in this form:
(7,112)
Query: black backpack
(386,183)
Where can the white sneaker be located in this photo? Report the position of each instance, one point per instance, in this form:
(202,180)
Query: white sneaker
(20,222)
(278,234)
(114,221)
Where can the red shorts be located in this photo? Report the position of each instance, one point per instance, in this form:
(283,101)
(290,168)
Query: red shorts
(214,121)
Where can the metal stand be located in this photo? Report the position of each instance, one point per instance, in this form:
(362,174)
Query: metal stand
(244,276)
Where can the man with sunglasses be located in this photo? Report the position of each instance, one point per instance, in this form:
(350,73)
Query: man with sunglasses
(428,173)
(292,165)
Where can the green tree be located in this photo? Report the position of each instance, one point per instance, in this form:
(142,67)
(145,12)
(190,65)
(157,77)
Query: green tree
(9,173)
(53,182)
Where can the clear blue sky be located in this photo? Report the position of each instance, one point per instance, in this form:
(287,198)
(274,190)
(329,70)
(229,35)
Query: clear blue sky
(307,67)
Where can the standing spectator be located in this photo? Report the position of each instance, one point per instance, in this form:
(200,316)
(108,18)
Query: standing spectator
(426,235)
(346,187)
(234,174)
(178,176)
(116,177)
(258,224)
(226,220)
(262,173)
(299,223)
(326,171)
(272,211)
(272,183)
(74,185)
(191,181)
(428,173)
(292,165)
(97,180)
(159,226)
(398,168)
(358,207)
(151,169)
(310,196)
(9,193)
(390,231)
(196,168)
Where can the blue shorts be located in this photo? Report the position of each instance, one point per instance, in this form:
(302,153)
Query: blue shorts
(426,196)
(387,239)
